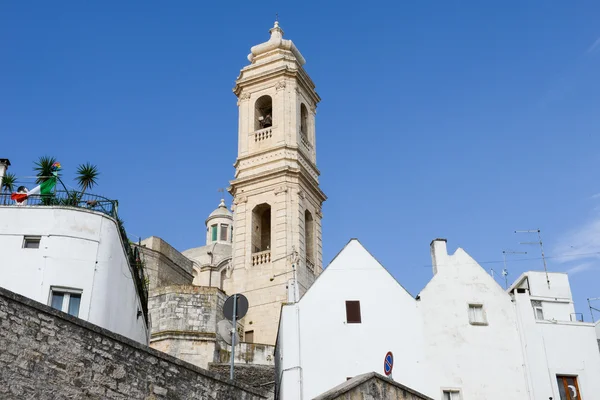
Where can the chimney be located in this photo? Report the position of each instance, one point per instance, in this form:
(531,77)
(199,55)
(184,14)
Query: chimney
(438,253)
(4,164)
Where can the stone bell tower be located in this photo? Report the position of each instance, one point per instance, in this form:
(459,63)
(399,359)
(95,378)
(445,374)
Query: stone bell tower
(277,250)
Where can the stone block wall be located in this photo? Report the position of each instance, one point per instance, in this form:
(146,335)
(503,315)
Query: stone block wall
(164,265)
(371,386)
(47,354)
(261,377)
(184,322)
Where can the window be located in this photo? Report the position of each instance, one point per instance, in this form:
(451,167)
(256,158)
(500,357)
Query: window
(309,238)
(451,394)
(303,120)
(476,314)
(224,229)
(31,242)
(263,112)
(66,300)
(568,387)
(213,233)
(538,311)
(249,337)
(223,277)
(261,228)
(353,312)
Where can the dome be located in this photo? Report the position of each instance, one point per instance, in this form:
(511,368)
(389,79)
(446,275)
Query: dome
(221,212)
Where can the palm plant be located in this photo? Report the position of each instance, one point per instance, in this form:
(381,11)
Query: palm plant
(8,184)
(87,177)
(43,168)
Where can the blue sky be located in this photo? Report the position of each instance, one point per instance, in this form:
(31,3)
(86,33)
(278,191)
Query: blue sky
(458,119)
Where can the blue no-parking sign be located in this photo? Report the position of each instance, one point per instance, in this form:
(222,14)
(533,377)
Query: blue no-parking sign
(388,363)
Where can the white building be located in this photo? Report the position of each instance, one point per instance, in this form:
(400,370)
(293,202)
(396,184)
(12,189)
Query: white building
(561,352)
(344,325)
(72,259)
(463,337)
(470,330)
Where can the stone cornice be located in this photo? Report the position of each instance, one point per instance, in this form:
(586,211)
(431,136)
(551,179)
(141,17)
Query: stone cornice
(275,149)
(275,173)
(299,74)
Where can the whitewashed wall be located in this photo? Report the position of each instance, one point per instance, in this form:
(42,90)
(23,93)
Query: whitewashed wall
(319,350)
(79,249)
(556,345)
(482,361)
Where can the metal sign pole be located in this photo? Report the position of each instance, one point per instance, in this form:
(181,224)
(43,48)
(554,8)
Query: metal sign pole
(233,331)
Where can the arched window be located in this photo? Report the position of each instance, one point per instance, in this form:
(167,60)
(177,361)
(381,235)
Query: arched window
(223,277)
(196,280)
(309,237)
(303,120)
(261,228)
(263,112)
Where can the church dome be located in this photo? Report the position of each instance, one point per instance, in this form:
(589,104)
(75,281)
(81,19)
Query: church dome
(220,212)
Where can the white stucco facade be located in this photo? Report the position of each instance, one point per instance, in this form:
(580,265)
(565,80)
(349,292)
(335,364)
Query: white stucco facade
(554,341)
(461,354)
(463,333)
(317,349)
(80,252)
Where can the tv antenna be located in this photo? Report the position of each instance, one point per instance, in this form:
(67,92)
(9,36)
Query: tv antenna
(539,232)
(592,309)
(505,270)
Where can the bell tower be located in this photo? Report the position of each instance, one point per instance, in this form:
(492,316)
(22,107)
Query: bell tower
(277,250)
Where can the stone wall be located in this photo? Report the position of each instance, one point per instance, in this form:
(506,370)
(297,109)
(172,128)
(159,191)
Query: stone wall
(47,354)
(184,322)
(371,386)
(261,377)
(164,265)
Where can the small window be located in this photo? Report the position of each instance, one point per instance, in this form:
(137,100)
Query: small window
(353,312)
(213,233)
(249,336)
(476,314)
(539,313)
(31,242)
(224,229)
(520,290)
(568,388)
(451,394)
(66,301)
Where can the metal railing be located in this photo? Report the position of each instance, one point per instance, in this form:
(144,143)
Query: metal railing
(68,199)
(576,317)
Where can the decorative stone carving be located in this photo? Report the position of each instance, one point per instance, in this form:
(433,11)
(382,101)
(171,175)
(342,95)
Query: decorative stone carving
(280,85)
(243,96)
(319,213)
(301,194)
(280,189)
(240,199)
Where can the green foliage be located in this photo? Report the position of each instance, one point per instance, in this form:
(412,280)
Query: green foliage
(87,176)
(43,168)
(8,182)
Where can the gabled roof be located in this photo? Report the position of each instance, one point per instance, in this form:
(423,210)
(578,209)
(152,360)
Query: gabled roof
(336,260)
(371,382)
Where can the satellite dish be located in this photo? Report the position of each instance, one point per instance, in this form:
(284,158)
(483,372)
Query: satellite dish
(241,307)
(224,328)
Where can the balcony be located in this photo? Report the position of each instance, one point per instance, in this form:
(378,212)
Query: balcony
(263,257)
(305,142)
(263,134)
(67,199)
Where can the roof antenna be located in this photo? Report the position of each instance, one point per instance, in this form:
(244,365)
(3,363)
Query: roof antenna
(505,270)
(539,232)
